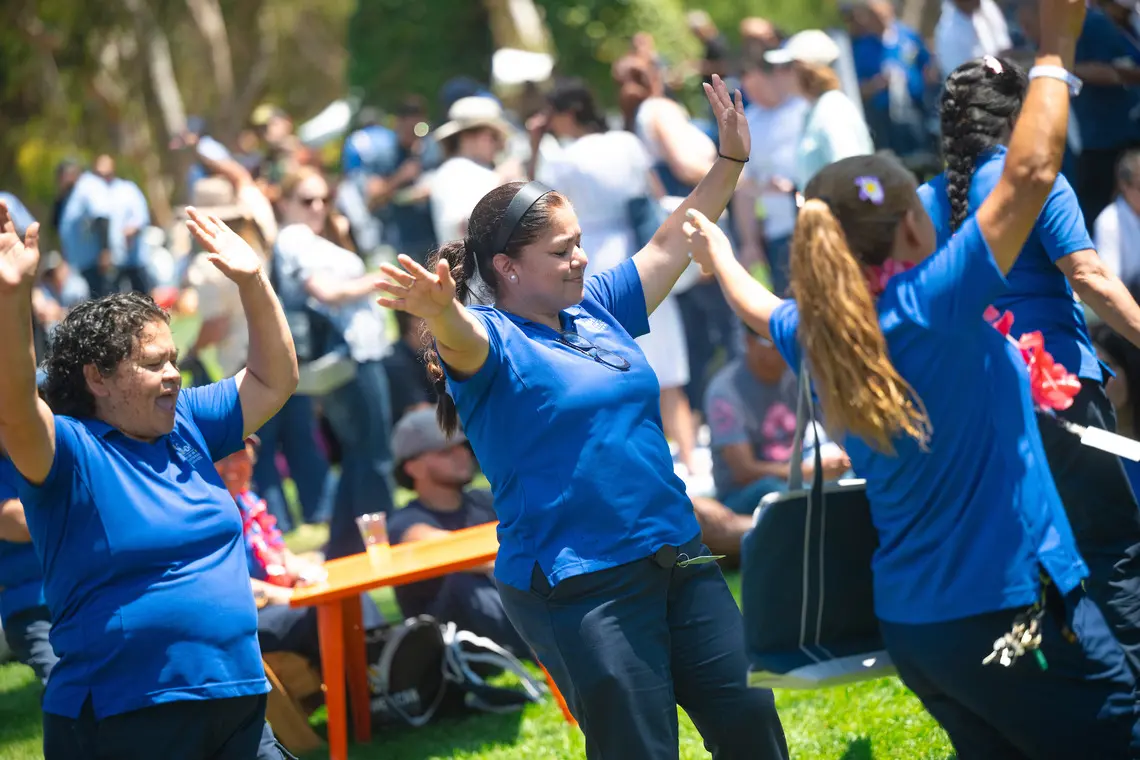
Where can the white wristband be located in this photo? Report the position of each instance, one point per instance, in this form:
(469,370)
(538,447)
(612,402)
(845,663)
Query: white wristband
(1057,72)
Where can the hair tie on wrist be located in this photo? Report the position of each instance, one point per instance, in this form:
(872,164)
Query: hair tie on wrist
(730,158)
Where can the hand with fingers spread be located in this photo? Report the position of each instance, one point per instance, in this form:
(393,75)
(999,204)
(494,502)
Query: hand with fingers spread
(19,259)
(734,139)
(224,248)
(416,290)
(707,241)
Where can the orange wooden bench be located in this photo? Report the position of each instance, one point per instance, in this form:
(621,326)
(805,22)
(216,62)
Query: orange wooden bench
(343,660)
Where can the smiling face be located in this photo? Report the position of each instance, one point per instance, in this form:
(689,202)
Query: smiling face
(139,397)
(550,271)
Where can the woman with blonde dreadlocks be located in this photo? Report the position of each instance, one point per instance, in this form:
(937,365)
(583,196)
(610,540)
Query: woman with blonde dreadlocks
(936,412)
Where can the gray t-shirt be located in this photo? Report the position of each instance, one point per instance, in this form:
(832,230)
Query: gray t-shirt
(741,409)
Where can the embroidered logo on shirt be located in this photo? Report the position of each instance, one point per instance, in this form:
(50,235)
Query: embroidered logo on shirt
(592,323)
(189,454)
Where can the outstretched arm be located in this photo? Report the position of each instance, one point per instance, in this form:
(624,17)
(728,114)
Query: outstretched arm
(460,338)
(27,427)
(751,301)
(1038,143)
(660,263)
(270,375)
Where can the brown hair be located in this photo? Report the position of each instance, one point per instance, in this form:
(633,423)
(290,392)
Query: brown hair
(474,253)
(836,234)
(816,79)
(331,232)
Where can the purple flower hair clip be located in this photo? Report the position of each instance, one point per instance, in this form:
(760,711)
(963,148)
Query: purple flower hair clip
(870,189)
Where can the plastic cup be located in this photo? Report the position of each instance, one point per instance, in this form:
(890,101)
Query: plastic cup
(374,532)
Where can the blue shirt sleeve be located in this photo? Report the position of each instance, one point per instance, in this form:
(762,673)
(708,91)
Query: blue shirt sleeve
(618,290)
(1061,225)
(955,284)
(215,409)
(783,325)
(21,217)
(473,388)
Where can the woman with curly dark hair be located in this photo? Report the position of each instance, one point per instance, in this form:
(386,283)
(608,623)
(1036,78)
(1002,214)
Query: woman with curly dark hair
(140,543)
(981,101)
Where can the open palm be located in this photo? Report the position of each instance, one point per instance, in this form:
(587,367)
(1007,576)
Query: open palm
(224,248)
(19,259)
(415,290)
(734,138)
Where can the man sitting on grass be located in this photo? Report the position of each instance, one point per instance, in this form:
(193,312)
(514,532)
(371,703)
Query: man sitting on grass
(438,469)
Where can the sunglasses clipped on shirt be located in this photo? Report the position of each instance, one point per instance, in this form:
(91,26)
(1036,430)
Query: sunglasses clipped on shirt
(601,355)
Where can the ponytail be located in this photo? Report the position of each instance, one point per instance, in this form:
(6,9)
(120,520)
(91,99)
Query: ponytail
(461,259)
(860,391)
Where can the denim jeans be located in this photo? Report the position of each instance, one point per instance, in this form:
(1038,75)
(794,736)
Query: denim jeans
(293,431)
(361,417)
(27,632)
(743,501)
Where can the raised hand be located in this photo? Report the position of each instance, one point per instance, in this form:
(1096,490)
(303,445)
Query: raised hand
(224,248)
(19,259)
(1061,23)
(735,140)
(706,240)
(415,290)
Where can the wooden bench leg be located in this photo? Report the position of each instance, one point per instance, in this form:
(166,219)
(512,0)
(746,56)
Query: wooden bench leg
(289,722)
(330,623)
(569,716)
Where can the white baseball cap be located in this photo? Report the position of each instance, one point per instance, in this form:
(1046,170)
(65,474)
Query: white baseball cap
(812,46)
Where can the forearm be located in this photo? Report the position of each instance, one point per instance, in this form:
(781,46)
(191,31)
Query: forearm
(272,356)
(18,358)
(460,338)
(744,216)
(750,300)
(13,525)
(1112,302)
(757,470)
(336,292)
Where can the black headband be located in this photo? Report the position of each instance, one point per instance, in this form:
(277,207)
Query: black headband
(526,197)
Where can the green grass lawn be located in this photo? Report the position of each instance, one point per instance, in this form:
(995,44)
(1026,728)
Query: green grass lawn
(876,719)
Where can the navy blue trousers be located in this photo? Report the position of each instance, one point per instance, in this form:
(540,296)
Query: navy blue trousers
(216,729)
(1103,512)
(1083,705)
(28,633)
(627,645)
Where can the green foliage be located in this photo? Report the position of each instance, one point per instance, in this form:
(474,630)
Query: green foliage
(790,17)
(589,35)
(396,47)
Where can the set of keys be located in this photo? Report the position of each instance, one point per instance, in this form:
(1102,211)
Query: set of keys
(1025,636)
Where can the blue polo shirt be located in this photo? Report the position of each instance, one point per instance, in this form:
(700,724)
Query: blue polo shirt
(1039,294)
(21,580)
(144,563)
(1108,116)
(964,526)
(900,47)
(581,472)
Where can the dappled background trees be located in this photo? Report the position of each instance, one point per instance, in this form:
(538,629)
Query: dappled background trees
(78,78)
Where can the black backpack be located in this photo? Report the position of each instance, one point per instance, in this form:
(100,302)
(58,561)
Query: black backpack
(419,669)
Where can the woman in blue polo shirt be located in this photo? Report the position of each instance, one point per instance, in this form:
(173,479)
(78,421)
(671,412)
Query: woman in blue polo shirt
(140,544)
(23,613)
(597,539)
(981,101)
(934,408)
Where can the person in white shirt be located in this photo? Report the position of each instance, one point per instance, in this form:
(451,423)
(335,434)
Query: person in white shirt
(474,135)
(764,207)
(834,128)
(1117,228)
(318,277)
(602,172)
(969,29)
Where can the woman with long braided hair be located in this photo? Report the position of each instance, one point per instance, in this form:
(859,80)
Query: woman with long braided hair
(980,103)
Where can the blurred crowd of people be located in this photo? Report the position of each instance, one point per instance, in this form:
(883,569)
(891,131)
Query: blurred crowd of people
(406,185)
